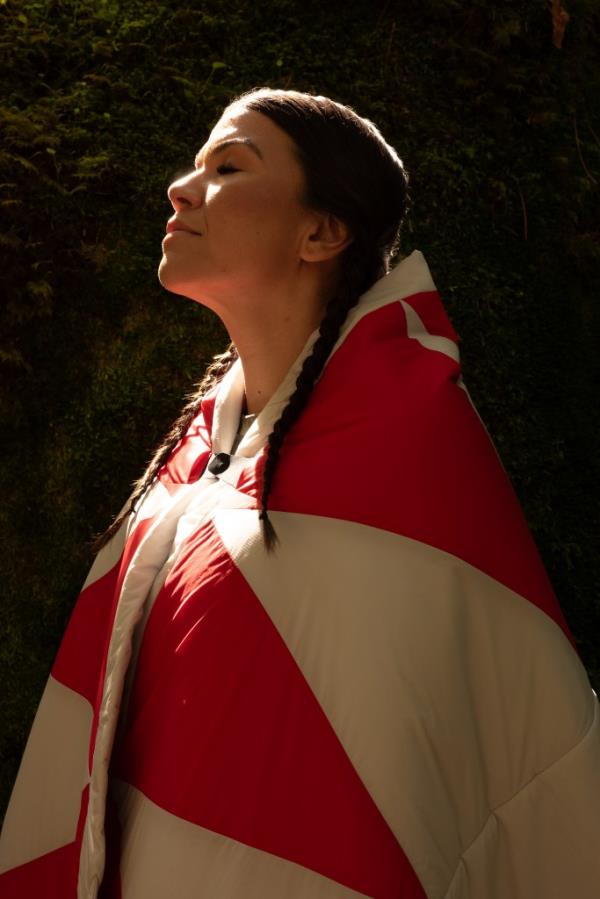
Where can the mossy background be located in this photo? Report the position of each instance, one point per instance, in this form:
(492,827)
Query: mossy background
(497,118)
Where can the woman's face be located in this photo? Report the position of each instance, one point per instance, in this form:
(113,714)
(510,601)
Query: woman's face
(242,201)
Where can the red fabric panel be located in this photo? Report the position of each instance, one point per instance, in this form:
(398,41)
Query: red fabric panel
(407,454)
(80,663)
(81,655)
(190,456)
(429,308)
(225,732)
(52,876)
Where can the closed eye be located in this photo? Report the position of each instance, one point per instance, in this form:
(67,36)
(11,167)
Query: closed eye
(224,169)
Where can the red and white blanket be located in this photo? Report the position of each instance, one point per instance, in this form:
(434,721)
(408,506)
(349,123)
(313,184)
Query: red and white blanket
(389,706)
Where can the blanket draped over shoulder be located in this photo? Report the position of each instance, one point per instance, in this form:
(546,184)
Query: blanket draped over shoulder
(390,705)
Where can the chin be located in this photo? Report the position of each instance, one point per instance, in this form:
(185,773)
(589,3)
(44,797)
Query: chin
(173,282)
(163,272)
(167,275)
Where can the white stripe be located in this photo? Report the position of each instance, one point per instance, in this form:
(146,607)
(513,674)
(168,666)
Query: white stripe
(416,329)
(148,560)
(408,277)
(544,841)
(165,856)
(44,806)
(147,506)
(447,690)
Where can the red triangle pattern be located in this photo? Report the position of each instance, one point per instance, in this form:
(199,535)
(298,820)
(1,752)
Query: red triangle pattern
(224,731)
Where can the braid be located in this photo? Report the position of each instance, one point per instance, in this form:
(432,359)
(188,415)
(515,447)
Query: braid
(356,277)
(215,371)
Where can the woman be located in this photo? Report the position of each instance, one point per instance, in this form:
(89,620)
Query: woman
(317,654)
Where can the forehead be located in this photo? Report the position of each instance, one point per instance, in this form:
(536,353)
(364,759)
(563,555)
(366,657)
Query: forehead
(272,140)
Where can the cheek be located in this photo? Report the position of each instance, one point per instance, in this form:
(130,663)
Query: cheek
(259,209)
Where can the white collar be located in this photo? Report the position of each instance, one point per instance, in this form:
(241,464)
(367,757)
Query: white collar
(410,276)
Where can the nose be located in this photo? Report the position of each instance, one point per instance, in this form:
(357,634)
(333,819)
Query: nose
(186,191)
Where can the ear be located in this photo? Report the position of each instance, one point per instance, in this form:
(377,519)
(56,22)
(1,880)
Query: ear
(326,237)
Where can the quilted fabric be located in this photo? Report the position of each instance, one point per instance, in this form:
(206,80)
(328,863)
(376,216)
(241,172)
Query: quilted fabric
(391,705)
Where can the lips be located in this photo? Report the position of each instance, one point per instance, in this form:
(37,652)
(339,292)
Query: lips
(175,225)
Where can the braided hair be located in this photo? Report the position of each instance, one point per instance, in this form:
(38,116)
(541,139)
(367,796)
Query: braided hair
(352,173)
(218,368)
(356,275)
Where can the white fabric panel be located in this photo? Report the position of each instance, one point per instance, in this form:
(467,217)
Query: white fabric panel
(416,329)
(109,555)
(545,841)
(177,517)
(52,775)
(203,497)
(166,856)
(428,669)
(147,561)
(411,275)
(228,407)
(149,504)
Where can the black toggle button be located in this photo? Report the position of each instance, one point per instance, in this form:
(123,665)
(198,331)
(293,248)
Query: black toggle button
(220,463)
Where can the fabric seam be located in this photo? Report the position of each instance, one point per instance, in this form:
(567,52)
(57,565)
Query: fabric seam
(492,812)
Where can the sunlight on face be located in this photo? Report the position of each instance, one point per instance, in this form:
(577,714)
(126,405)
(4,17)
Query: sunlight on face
(242,201)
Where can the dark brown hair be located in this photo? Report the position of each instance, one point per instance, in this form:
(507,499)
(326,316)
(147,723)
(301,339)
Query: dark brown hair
(352,173)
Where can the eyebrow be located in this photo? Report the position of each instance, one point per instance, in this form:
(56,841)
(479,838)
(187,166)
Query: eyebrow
(223,144)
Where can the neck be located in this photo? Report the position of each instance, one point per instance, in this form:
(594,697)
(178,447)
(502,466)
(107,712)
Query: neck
(269,342)
(267,351)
